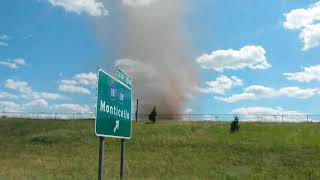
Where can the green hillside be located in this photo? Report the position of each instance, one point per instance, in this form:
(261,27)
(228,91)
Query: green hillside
(48,149)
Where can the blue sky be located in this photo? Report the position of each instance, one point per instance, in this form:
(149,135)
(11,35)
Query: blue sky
(258,56)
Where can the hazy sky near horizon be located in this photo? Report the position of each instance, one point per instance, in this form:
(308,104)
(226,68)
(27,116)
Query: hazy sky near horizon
(250,56)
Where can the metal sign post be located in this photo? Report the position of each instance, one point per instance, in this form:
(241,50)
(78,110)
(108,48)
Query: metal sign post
(122,158)
(101,157)
(137,110)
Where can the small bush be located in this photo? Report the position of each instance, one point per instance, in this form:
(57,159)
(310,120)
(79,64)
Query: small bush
(235,125)
(54,136)
(43,139)
(153,115)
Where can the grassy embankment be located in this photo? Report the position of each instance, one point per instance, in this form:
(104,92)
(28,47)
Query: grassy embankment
(48,149)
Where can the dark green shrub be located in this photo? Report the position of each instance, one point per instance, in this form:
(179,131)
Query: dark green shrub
(44,139)
(153,115)
(235,125)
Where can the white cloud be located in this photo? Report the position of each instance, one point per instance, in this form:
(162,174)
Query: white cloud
(5,95)
(45,95)
(8,64)
(297,92)
(310,36)
(4,37)
(256,92)
(73,89)
(252,57)
(188,110)
(305,20)
(207,117)
(37,104)
(19,61)
(299,18)
(264,111)
(91,7)
(27,92)
(72,107)
(250,93)
(9,106)
(27,36)
(266,114)
(237,97)
(13,63)
(69,82)
(308,74)
(74,85)
(86,78)
(20,86)
(261,91)
(138,3)
(221,84)
(4,44)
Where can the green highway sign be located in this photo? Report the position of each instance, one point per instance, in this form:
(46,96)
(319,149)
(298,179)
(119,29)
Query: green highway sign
(113,116)
(122,76)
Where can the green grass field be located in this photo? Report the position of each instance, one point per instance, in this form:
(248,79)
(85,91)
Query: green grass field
(48,149)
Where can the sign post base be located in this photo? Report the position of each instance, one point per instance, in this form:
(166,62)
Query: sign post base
(101,157)
(122,158)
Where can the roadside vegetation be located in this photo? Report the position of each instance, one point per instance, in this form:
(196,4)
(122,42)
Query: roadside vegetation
(49,149)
